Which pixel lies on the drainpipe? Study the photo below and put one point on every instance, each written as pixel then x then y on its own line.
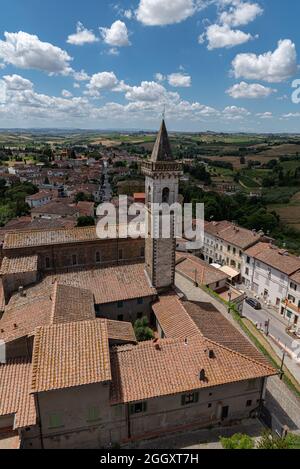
pixel 128 421
pixel 39 419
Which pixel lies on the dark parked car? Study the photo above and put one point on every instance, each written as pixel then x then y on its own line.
pixel 253 303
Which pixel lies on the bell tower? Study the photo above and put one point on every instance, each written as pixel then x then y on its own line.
pixel 161 186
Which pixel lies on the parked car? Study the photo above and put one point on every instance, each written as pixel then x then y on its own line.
pixel 253 303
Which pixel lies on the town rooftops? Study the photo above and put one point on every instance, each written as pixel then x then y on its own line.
pixel 214 326
pixel 15 398
pixel 120 331
pixel 183 319
pixel 173 318
pixel 56 208
pixel 198 270
pixel 296 277
pixel 108 285
pixel 232 234
pixel 19 265
pixel 173 366
pixel 72 354
pixel 274 257
pixel 70 304
pixel 39 195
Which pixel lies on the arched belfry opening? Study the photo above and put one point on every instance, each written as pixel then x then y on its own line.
pixel 166 195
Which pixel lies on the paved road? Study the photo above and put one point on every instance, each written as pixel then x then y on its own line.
pixel 277 326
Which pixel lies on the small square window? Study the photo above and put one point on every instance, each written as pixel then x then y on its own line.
pixel 140 301
pixel 120 304
pixel 138 408
pixel 209 406
pixel 249 403
pixel 190 398
pixel 120 317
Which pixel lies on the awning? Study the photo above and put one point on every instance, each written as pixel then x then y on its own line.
pixel 232 273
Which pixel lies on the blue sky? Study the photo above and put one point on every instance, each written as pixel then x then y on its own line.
pixel 222 65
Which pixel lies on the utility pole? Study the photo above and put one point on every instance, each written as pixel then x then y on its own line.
pixel 282 363
pixel 267 327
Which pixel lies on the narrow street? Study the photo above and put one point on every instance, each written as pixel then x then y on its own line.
pixel 277 325
pixel 106 187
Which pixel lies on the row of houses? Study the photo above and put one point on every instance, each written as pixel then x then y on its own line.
pixel 251 258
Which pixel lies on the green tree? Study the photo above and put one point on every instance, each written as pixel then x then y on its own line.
pixel 237 441
pixel 271 441
pixel 142 330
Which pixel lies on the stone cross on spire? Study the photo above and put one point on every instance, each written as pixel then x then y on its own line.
pixel 162 148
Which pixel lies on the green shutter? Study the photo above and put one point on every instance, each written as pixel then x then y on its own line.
pixel 55 421
pixel 93 414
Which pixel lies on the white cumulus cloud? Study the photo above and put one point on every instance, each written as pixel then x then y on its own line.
pixel 116 35
pixel 272 67
pixel 241 13
pixel 219 36
pixel 162 12
pixel 27 51
pixel 82 36
pixel 16 82
pixel 249 91
pixel 179 80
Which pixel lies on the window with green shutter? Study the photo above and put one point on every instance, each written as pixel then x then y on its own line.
pixel 55 421
pixel 93 414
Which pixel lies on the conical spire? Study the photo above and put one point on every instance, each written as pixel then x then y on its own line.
pixel 162 148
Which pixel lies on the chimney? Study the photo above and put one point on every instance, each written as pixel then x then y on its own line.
pixel 202 376
pixel 15 326
pixel 211 354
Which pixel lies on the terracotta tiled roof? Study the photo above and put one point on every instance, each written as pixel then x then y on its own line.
pixel 71 304
pixel 120 331
pixel 173 318
pixel 214 326
pixel 240 237
pixel 15 396
pixel 277 258
pixel 49 237
pixel 296 277
pixel 21 320
pixel 197 269
pixel 19 265
pixel 108 285
pixel 172 366
pixel 56 208
pixel 72 354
